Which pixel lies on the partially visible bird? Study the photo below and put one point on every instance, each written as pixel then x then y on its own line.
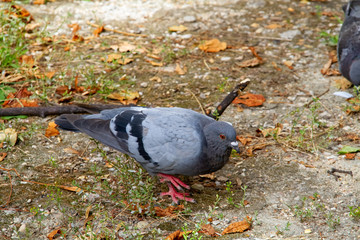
pixel 165 141
pixel 349 43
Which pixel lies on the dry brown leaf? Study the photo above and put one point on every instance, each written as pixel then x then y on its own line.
pixel 50 74
pixel 208 230
pixel 211 176
pixel 125 97
pixel 342 83
pixel 2 156
pixel 75 28
pixel 273 26
pixel 156 79
pixel 238 227
pixel 78 38
pixel 51 130
pixel 250 100
pixel 154 56
pixel 67 48
pixel 177 235
pixel 271 131
pixel 250 63
pixel 98 30
pixel 124 61
pixel 31 26
pixel 126 47
pixel 9 135
pixel 53 233
pixel 289 64
pixel 244 140
pixel 156 64
pixel 348 156
pixel 27 60
pixel 20 12
pixel 72 189
pixel 169 211
pixel 113 56
pixel 180 28
pixel 179 70
pixel 11 78
pixel 16 100
pixel 71 151
pixel 259 146
pixel 213 45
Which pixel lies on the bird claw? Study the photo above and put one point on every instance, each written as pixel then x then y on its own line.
pixel 174 181
pixel 176 195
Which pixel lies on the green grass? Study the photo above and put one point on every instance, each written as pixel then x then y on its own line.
pixel 13 43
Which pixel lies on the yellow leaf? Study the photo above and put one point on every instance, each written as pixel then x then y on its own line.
pixel 125 97
pixel 180 28
pixel 213 45
pixel 156 64
pixel 113 56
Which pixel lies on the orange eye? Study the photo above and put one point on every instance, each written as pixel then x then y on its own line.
pixel 222 136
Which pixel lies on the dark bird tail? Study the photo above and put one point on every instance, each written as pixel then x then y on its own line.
pixel 65 122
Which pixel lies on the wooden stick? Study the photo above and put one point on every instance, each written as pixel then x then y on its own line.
pixel 228 99
pixel 117 31
pixel 56 110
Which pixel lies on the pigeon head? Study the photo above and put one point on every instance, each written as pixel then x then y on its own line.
pixel 221 136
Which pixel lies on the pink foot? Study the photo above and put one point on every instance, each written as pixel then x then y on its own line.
pixel 174 180
pixel 174 194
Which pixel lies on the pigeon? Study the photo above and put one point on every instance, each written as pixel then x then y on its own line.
pixel 349 43
pixel 164 141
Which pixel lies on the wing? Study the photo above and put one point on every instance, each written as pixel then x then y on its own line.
pixel 173 139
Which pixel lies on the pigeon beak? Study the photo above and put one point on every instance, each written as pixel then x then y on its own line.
pixel 235 146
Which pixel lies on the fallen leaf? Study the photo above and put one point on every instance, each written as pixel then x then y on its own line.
pixel 259 146
pixel 8 135
pixel 98 30
pixel 179 70
pixel 67 48
pixel 20 12
pixel 156 79
pixel 32 26
pixel 177 235
pixel 289 64
pixel 72 189
pixel 77 38
pixel 349 149
pixel 211 176
pixel 169 211
pixel 27 60
pixel 53 233
pixel 238 227
pixel 11 78
pixel 272 131
pixel 348 156
pixel 342 83
pixel 50 74
pixel 244 140
pixel 208 230
pixel 273 26
pixel 75 28
pixel 213 45
pixel 51 130
pixel 154 56
pixel 88 215
pixel 2 156
pixel 180 28
pixel 276 66
pixel 250 63
pixel 156 64
pixel 39 2
pixel 250 100
pixel 71 151
pixel 124 61
pixel 125 97
pixel 62 90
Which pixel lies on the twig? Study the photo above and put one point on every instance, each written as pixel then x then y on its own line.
pixel 334 170
pixel 201 106
pixel 56 110
pixel 117 31
pixel 228 99
pixel 207 65
pixel 271 38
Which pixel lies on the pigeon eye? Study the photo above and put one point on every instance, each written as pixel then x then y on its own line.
pixel 222 136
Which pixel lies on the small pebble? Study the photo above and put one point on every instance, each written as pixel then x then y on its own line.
pixel 142 225
pixel 189 19
pixel 197 186
pixel 225 59
pixel 22 228
pixel 186 36
pixel 144 84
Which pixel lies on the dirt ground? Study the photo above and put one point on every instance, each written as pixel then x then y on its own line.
pixel 281 181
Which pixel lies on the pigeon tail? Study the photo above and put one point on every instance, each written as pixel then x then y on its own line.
pixel 176 195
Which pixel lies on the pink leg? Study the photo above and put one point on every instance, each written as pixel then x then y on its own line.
pixel 174 195
pixel 174 180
